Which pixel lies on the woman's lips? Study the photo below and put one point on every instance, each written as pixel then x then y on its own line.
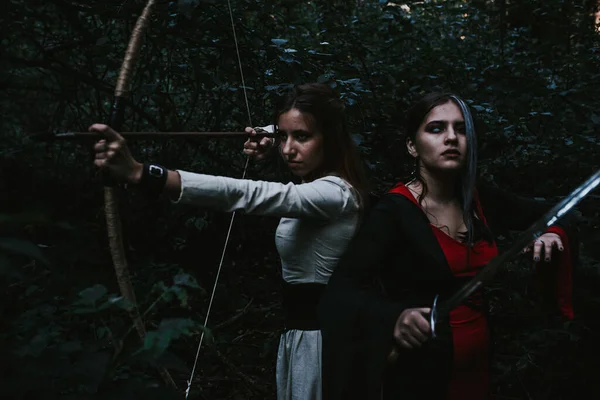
pixel 451 153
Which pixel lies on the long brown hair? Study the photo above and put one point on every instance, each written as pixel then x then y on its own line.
pixel 327 112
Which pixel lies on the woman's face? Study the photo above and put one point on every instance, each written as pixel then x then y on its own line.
pixel 300 145
pixel 440 142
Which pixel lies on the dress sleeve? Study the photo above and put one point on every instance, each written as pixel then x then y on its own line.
pixel 325 198
pixel 555 278
pixel 506 211
pixel 357 321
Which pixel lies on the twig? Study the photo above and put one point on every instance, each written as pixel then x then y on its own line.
pixel 244 311
pixel 251 383
pixel 523 385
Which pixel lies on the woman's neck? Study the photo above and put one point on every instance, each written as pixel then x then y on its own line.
pixel 441 188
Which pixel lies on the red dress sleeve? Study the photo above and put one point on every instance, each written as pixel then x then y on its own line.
pixel 556 277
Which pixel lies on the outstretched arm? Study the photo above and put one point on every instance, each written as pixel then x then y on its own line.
pixel 325 198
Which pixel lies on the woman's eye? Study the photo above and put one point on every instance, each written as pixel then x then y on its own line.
pixel 435 129
pixel 302 138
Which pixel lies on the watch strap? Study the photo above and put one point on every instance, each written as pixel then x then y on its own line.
pixel 154 178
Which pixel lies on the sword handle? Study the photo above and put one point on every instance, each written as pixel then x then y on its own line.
pixel 433 316
pixel 393 356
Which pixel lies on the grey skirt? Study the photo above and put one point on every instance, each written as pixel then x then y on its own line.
pixel 298 371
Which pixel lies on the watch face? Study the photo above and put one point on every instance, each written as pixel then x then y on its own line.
pixel 155 171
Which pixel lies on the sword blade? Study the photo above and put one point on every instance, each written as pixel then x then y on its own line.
pixel 523 240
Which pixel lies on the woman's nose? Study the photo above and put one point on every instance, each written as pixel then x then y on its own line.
pixel 287 147
pixel 451 134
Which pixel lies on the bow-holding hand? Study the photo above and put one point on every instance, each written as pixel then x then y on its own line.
pixel 545 244
pixel 112 154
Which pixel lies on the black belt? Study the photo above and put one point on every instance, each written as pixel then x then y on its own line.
pixel 300 301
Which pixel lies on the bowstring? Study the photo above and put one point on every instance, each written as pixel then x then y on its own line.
pixel 212 295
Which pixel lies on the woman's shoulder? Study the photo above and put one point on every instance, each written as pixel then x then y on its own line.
pixel 335 186
pixel 398 197
pixel 338 185
pixel 400 193
pixel 334 182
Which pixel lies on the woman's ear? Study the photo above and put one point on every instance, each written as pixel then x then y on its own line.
pixel 412 150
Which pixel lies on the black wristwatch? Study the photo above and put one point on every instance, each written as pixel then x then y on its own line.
pixel 154 178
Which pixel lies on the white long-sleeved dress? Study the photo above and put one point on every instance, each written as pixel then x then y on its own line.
pixel 318 220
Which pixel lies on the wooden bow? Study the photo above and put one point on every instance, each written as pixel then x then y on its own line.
pixel 111 210
pixel 111 207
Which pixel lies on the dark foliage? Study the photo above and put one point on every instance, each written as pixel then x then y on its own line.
pixel 530 69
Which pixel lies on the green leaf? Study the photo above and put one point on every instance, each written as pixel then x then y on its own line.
pixel 22 247
pixel 84 310
pixel 35 347
pixel 71 347
pixel 115 301
pixel 31 289
pixel 9 268
pixel 279 42
pixel 183 279
pixel 181 294
pixel 200 223
pixel 324 78
pixel 166 292
pixel 156 342
pixel 91 295
pixel 287 58
pixel 186 7
pixel 172 362
pixel 177 326
pixel 92 367
pixel 101 331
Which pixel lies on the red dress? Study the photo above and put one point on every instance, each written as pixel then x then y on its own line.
pixel 470 372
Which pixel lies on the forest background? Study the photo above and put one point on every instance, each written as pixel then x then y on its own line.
pixel 530 69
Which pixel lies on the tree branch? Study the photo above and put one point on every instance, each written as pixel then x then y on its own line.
pixel 91 81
